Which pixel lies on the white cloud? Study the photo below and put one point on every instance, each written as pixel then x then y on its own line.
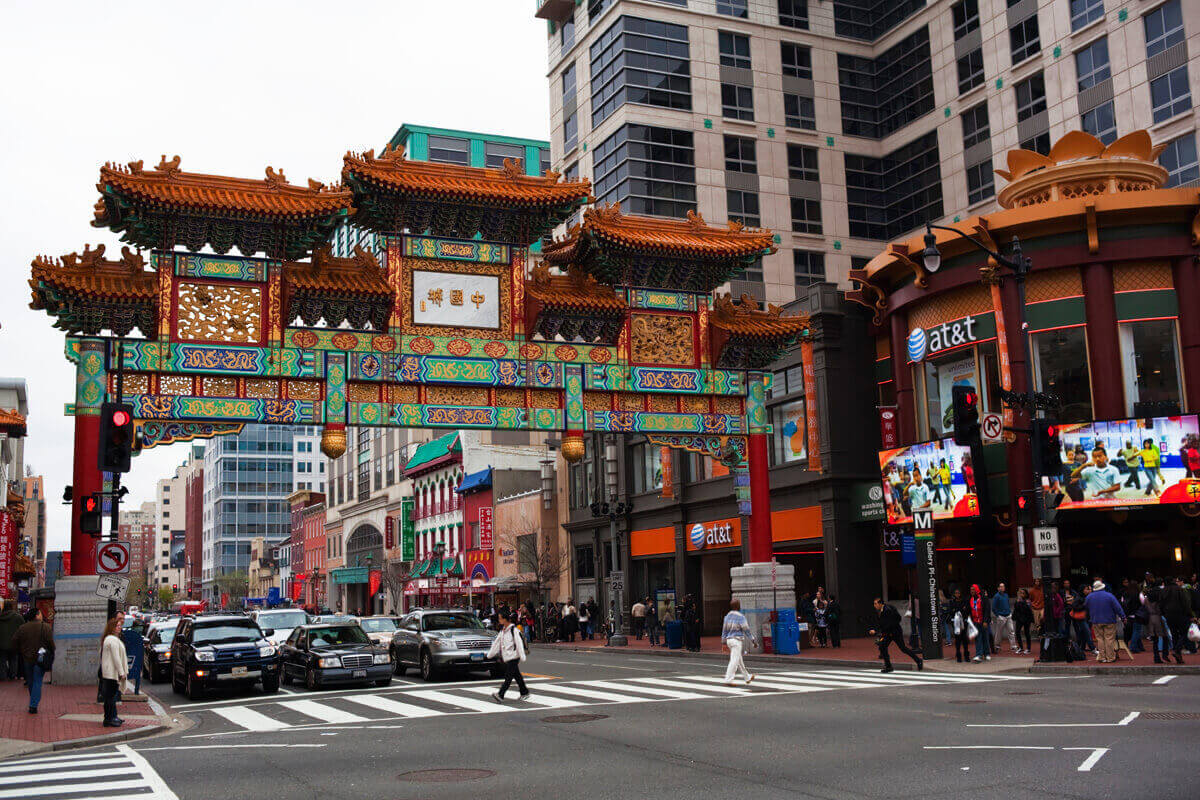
pixel 232 87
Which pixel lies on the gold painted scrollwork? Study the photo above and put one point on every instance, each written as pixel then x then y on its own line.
pixel 219 313
pixel 662 339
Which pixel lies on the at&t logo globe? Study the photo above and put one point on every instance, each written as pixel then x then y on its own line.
pixel 698 536
pixel 916 344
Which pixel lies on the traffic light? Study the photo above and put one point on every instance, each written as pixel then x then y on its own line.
pixel 116 437
pixel 91 519
pixel 174 587
pixel 966 414
pixel 1048 443
pixel 1027 507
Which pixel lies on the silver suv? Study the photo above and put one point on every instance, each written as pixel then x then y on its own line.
pixel 441 640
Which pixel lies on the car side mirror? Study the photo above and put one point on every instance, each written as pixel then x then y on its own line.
pixel 268 632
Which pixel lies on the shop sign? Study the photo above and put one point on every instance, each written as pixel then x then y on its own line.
pixel 868 502
pixel 485 528
pixel 889 431
pixel 408 531
pixel 717 534
pixel 8 546
pixel 349 575
pixel 479 566
pixel 927 342
pixel 810 404
pixel 389 538
pixel 668 475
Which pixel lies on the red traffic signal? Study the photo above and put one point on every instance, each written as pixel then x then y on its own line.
pixel 120 417
pixel 90 503
pixel 965 410
pixel 1022 501
pixel 970 398
pixel 90 519
pixel 116 437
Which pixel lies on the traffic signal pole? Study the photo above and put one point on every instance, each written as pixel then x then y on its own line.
pixel 86 480
pixel 114 531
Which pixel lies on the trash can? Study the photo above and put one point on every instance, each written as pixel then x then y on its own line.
pixel 674 635
pixel 802 635
pixel 786 615
pixel 786 637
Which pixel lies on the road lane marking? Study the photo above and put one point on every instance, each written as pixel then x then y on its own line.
pixel 650 690
pixel 392 706
pixel 222 746
pixel 325 713
pixel 1128 718
pixel 250 719
pixel 41 764
pixel 77 788
pixel 1165 679
pixel 985 747
pixel 718 688
pixel 482 706
pixel 1090 761
pixel 548 701
pixel 607 697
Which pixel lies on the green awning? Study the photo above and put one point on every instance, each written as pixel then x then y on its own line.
pixel 452 568
pixel 432 451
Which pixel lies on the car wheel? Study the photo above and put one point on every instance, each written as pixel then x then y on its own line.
pixel 176 686
pixel 194 692
pixel 398 667
pixel 310 679
pixel 383 682
pixel 284 677
pixel 428 673
pixel 271 685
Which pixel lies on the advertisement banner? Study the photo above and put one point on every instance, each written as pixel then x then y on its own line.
pixel 889 430
pixel 1002 355
pixel 485 528
pixel 793 422
pixel 668 476
pixel 960 372
pixel 1131 462
pixel 389 538
pixel 178 540
pixel 810 398
pixel 480 567
pixel 927 477
pixel 8 552
pixel 408 531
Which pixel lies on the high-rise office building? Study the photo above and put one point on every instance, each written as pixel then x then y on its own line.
pixel 843 124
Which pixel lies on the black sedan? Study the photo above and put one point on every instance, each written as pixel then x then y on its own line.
pixel 324 654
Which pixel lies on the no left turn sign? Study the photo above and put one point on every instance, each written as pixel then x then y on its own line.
pixel 112 558
pixel 992 426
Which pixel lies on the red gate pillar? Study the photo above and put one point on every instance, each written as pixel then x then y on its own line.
pixel 761 546
pixel 90 389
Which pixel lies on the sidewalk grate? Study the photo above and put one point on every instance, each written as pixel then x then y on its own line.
pixel 1170 715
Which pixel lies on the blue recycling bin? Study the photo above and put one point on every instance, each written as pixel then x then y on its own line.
pixel 785 638
pixel 674 635
pixel 786 616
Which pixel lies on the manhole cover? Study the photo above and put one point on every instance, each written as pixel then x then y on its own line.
pixel 445 775
pixel 966 702
pixel 1169 715
pixel 1022 694
pixel 567 718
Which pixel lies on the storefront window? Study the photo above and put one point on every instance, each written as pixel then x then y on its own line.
pixel 789 426
pixel 1060 361
pixel 1150 362
pixel 585 562
pixel 646 466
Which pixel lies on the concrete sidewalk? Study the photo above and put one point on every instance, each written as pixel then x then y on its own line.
pixel 68 716
pixel 860 652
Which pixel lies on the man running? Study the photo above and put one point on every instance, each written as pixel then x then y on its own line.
pixel 889 631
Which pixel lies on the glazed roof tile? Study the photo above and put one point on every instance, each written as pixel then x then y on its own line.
pixel 358 274
pixel 508 186
pixel 691 236
pixel 744 320
pixel 92 275
pixel 167 185
pixel 11 418
pixel 574 290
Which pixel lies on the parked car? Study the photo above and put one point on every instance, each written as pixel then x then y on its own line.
pixel 282 620
pixel 380 629
pixel 156 649
pixel 436 641
pixel 322 654
pixel 222 650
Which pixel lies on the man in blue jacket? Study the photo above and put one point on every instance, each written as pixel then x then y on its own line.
pixel 1002 614
pixel 1103 611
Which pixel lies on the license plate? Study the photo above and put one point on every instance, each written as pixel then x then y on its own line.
pixel 360 673
pixel 238 671
pixel 478 656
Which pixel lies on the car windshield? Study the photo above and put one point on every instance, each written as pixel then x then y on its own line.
pixel 445 622
pixel 336 635
pixel 166 632
pixel 231 631
pixel 378 625
pixel 282 620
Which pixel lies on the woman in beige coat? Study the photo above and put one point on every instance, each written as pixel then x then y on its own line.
pixel 114 669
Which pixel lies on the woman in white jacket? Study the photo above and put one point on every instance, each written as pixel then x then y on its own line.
pixel 114 669
pixel 510 647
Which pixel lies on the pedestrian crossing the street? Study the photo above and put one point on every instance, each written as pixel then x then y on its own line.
pixel 112 774
pixel 384 707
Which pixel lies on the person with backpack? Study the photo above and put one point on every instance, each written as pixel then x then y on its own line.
pixel 585 622
pixel 981 615
pixel 960 613
pixel 34 641
pixel 510 648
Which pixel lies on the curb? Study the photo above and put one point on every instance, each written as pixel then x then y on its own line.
pixel 105 738
pixel 1149 669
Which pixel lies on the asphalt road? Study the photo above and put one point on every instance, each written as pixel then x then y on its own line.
pixel 667 728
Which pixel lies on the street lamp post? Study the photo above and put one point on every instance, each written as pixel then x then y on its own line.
pixel 1031 399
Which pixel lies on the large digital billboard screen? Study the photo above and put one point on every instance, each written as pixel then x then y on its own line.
pixel 1130 462
pixel 937 476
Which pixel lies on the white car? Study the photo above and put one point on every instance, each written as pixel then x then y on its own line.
pixel 380 629
pixel 281 622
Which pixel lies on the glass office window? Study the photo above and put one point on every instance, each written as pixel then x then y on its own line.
pixel 1060 363
pixel 1150 362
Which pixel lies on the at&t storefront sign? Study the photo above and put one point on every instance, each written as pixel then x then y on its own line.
pixel 714 535
pixel 923 342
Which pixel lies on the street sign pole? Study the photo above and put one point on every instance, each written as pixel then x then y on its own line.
pixel 931 634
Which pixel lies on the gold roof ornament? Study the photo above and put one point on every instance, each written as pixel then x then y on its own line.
pixel 1080 165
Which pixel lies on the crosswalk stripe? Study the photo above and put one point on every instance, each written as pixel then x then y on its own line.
pixel 832 682
pixel 250 719
pixel 129 769
pixel 579 691
pixel 766 683
pixel 484 706
pixel 33 766
pixel 916 677
pixel 74 788
pixel 322 712
pixel 890 679
pixel 684 684
pixel 650 690
pixel 548 701
pixel 394 707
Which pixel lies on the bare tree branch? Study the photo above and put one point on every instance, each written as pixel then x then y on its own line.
pixel 540 564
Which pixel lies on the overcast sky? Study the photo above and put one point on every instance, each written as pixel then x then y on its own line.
pixel 231 87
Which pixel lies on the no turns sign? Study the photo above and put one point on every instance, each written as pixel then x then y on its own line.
pixel 112 558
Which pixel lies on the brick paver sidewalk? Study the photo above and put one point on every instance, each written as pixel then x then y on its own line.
pixel 65 713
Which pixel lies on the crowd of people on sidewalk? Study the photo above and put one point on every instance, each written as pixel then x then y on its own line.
pixel 824 617
pixel 1096 618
